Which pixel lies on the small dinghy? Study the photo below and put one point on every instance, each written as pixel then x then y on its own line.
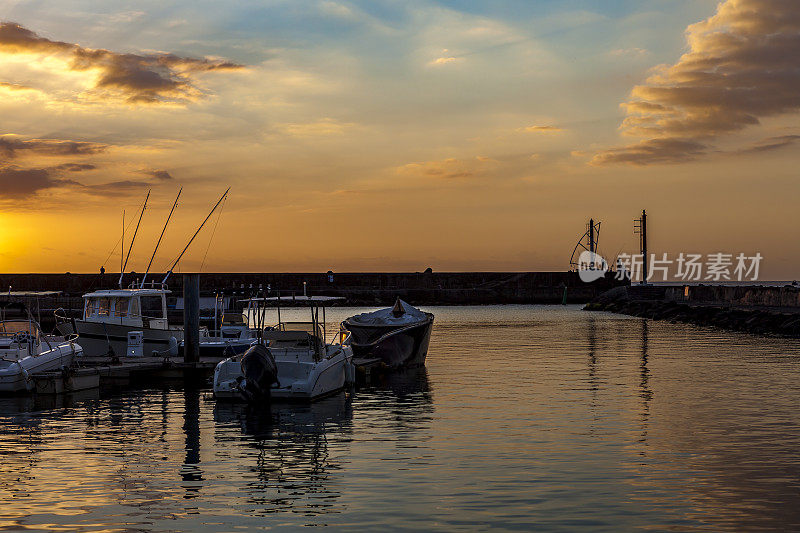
pixel 24 354
pixel 398 335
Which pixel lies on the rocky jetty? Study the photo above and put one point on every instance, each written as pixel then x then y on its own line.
pixel 750 319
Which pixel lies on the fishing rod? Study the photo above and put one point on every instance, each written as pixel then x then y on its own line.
pixel 160 237
pixel 122 270
pixel 174 264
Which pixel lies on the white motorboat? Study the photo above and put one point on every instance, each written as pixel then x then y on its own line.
pixel 24 354
pixel 291 361
pixel 109 315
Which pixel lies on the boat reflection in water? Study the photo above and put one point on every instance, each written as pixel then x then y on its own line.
pixel 296 452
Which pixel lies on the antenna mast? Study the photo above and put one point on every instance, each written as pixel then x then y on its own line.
pixel 169 272
pixel 122 270
pixel 122 245
pixel 160 237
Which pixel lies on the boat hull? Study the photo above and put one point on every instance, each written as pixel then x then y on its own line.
pixel 298 380
pixel 17 376
pixel 97 337
pixel 404 346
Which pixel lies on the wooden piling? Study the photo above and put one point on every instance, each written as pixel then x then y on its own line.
pixel 191 318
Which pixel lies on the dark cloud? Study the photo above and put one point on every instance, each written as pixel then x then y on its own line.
pixel 151 78
pixel 24 183
pixel 770 144
pixel 161 175
pixel 76 167
pixel 115 188
pixel 743 65
pixel 18 183
pixel 10 146
pixel 652 151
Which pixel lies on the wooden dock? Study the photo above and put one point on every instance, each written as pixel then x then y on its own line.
pixel 104 372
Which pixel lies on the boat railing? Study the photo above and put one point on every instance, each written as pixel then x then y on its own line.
pixel 342 336
pixel 61 314
pixel 148 285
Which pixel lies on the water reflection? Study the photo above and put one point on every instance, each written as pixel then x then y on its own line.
pixel 644 380
pixel 402 400
pixel 554 419
pixel 191 473
pixel 294 467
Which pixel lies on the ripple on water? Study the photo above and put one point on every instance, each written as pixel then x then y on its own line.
pixel 526 417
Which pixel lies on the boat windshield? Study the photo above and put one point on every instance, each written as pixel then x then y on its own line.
pixel 152 307
pixel 232 319
pixel 307 327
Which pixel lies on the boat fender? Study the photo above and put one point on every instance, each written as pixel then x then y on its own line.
pixel 29 385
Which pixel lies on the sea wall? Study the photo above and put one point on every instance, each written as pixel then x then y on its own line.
pixel 753 309
pixel 377 288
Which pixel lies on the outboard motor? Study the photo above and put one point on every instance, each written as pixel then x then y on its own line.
pixel 259 371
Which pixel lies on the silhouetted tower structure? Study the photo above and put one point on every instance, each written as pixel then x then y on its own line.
pixel 640 227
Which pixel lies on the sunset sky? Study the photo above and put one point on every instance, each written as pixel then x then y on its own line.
pixel 397 135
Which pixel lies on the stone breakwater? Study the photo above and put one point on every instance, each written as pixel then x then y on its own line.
pixel 675 304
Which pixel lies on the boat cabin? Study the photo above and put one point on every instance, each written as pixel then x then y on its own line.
pixel 130 307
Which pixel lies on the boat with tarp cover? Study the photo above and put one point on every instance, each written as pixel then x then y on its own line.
pixel 398 335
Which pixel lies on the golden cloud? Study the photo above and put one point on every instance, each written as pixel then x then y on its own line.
pixel 742 65
pixel 11 146
pixel 135 78
pixel 652 151
pixel 324 127
pixel 449 168
pixel 444 60
pixel 542 129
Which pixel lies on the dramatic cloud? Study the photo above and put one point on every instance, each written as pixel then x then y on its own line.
pixel 16 183
pixel 23 183
pixel 11 146
pixel 152 78
pixel 743 64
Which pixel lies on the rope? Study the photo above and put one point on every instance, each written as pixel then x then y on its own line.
pixel 219 216
pixel 119 241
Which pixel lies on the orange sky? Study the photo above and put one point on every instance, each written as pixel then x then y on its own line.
pixel 370 136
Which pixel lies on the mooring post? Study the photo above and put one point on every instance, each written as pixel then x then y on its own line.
pixel 191 318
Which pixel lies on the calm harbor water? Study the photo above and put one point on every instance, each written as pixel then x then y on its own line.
pixel 527 416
